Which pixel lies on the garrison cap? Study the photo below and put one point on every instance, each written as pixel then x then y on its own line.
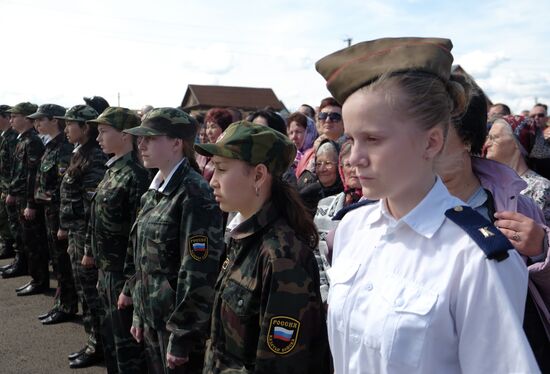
pixel 254 144
pixel 117 117
pixel 23 108
pixel 171 122
pixel 48 110
pixel 4 109
pixel 79 113
pixel 357 66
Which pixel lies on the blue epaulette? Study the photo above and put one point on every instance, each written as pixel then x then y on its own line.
pixel 491 241
pixel 342 212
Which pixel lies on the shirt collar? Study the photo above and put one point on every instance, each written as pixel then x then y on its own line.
pixel 159 183
pixel 76 148
pixel 426 217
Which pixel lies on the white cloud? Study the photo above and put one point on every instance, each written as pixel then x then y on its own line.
pixel 481 64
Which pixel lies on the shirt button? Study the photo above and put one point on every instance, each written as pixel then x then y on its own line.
pixel 240 302
pixel 399 302
pixel 369 286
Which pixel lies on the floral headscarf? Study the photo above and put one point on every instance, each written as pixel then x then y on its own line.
pixel 524 129
pixel 352 194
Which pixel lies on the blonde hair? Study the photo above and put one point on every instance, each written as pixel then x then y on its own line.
pixel 424 97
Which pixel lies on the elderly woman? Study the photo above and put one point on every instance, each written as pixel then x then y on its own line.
pixel 494 190
pixel 327 209
pixel 216 121
pixel 509 142
pixel 325 181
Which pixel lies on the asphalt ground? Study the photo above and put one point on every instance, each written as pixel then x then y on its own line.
pixel 27 346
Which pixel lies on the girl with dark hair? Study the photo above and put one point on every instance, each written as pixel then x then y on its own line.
pixel 419 282
pixel 84 173
pixel 267 315
pixel 175 244
pixel 268 118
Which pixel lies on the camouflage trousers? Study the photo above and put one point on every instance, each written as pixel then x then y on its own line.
pixel 156 343
pixel 33 238
pixel 85 280
pixel 5 230
pixel 66 299
pixel 13 222
pixel 122 353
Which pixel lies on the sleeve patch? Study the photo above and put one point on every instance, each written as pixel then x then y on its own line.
pixel 283 334
pixel 198 247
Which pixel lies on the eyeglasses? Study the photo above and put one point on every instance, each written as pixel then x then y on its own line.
pixel 328 164
pixel 538 115
pixel 333 116
pixel 347 165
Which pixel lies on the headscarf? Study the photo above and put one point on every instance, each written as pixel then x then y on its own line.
pixel 352 194
pixel 524 129
pixel 309 138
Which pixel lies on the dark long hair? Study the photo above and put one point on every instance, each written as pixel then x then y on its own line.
pixel 80 159
pixel 286 198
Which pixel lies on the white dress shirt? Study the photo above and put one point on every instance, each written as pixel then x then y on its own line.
pixel 418 295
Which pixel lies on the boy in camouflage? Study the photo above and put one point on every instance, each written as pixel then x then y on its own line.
pixel 268 316
pixel 177 242
pixel 8 140
pixel 112 214
pixel 28 153
pixel 55 161
pixel 84 173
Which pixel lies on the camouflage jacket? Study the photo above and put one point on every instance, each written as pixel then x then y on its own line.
pixel 78 188
pixel 176 243
pixel 113 211
pixel 267 315
pixel 55 161
pixel 8 141
pixel 26 160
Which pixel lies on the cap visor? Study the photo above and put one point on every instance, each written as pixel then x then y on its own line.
pixel 143 131
pixel 100 122
pixel 36 115
pixel 211 149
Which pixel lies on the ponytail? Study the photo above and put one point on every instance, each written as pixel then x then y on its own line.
pixel 284 196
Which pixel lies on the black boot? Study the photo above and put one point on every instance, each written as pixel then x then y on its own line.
pixel 7 250
pixel 18 268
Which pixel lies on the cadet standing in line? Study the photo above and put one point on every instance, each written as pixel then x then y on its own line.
pixel 54 163
pixel 177 243
pixel 8 140
pixel 112 214
pixel 268 316
pixel 28 153
pixel 419 283
pixel 79 183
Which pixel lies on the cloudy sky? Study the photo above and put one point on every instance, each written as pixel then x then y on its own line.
pixel 149 51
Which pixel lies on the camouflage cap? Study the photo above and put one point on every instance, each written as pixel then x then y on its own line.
pixel 79 113
pixel 354 67
pixel 4 109
pixel 23 108
pixel 254 144
pixel 171 122
pixel 117 117
pixel 48 110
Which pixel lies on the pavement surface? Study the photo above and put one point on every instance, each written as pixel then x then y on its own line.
pixel 26 346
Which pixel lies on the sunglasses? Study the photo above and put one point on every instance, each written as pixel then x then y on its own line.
pixel 334 117
pixel 538 115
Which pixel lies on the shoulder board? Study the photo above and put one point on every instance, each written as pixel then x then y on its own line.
pixel 342 212
pixel 491 241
